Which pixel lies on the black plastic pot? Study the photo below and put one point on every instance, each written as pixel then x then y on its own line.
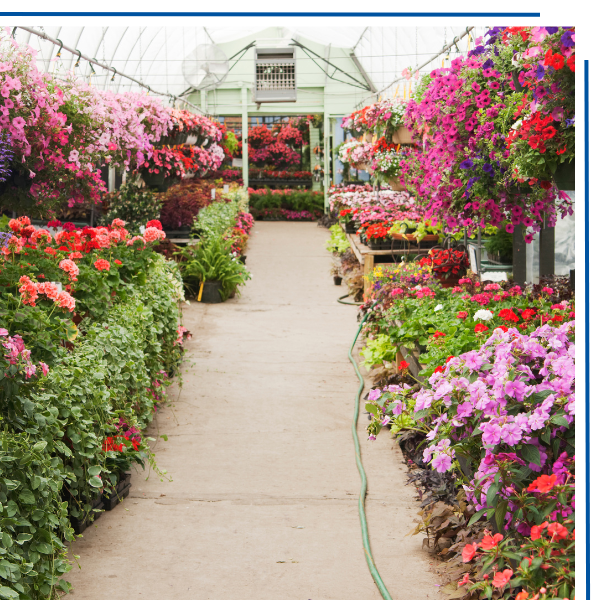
pixel 349 227
pixel 154 179
pixel 337 280
pixel 210 291
pixel 386 244
pixel 120 491
pixel 375 244
pixel 564 176
pixel 363 238
pixel 243 259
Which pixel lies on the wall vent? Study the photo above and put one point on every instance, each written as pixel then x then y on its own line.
pixel 275 75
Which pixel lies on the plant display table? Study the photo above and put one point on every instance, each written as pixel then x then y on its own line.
pixel 368 257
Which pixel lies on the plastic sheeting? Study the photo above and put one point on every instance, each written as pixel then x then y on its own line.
pixel 155 54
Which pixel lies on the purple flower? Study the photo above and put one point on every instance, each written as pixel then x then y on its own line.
pixel 466 164
pixel 511 434
pixel 567 39
pixel 492 433
pixel 441 463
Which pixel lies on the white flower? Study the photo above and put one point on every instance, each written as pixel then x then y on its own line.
pixel 483 315
pixel 438 307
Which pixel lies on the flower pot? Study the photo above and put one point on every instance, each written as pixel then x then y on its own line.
pixel 362 166
pixel 564 176
pixel 180 138
pixel 363 239
pixel 402 136
pixel 120 491
pixel 375 244
pixel 349 227
pixel 153 179
pixel 211 291
pixel 191 139
pixel 386 244
pixel 243 259
pixel 397 186
pixel 337 280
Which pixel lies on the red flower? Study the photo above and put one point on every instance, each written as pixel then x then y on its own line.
pixel 438 369
pixel 449 358
pixel 571 62
pixel 118 262
pixel 546 185
pixel 543 484
pixel 502 578
pixel 469 552
pixel 528 314
pixel 562 151
pixel 536 530
pixel 154 223
pixel 508 315
pixel 480 328
pixel 490 542
pixel 50 251
pixel 439 334
pixel 558 531
pixel 465 579
pixel 403 366
pixel 463 314
pixel 102 265
pixel 503 328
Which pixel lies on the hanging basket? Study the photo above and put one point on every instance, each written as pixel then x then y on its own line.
pixel 191 139
pixel 153 179
pixel 564 176
pixel 402 136
pixel 362 166
pixel 397 186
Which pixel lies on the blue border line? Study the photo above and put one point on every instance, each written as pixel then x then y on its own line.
pixel 268 14
pixel 586 93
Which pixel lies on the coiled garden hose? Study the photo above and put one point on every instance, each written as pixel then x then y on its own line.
pixel 341 301
pixel 363 490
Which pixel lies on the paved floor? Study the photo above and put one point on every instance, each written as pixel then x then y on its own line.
pixel 263 499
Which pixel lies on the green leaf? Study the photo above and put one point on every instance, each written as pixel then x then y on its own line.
pixel 477 516
pixel 420 414
pixel 27 497
pixel 94 470
pixel 6 592
pixel 492 494
pixel 165 437
pixel 95 482
pixel 531 454
pixel 44 548
pixel 372 408
pixel 501 509
pixel 24 537
pixel 40 446
pixel 559 420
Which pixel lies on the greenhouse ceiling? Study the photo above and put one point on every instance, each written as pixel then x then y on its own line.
pixel 157 56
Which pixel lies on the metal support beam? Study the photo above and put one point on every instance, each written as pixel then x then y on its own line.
pixel 362 71
pixel 546 251
pixel 245 174
pixel 327 155
pixel 519 256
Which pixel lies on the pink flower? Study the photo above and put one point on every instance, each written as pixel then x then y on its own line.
pixel 65 300
pixel 69 267
pixel 152 234
pixel 102 265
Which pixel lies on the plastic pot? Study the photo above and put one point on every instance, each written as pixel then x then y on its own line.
pixel 211 291
pixel 153 179
pixel 349 227
pixel 564 176
pixel 337 280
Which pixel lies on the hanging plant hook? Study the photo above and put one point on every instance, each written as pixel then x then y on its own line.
pixel 114 73
pixel 60 49
pixel 12 35
pixel 78 59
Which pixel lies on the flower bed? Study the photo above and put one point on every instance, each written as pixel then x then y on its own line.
pixel 492 414
pixel 287 205
pixel 83 371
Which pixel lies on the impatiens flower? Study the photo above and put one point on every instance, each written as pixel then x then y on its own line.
pixel 543 484
pixel 442 462
pixel 490 542
pixel 536 530
pixel 558 531
pixel 502 578
pixel 469 552
pixel 465 579
pixel 102 265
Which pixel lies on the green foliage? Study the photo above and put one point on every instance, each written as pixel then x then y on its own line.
pixel 212 260
pixel 294 200
pixel 213 221
pixel 377 350
pixel 136 206
pixel 338 242
pixel 501 244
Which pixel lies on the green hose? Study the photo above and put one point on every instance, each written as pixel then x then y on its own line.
pixel 363 490
pixel 341 301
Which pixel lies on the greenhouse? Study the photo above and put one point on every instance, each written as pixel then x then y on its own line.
pixel 287 312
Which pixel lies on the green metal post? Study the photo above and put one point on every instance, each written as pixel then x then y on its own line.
pixel 327 152
pixel 244 91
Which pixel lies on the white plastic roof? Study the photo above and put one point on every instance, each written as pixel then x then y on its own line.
pixel 154 54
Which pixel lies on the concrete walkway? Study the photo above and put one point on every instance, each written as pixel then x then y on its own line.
pixel 263 499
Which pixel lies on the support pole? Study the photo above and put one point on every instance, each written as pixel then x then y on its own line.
pixel 546 251
pixel 327 153
pixel 244 92
pixel 519 256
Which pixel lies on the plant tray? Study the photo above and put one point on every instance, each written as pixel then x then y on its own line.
pixel 410 237
pixel 110 503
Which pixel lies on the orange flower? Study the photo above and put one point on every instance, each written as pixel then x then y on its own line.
pixel 502 578
pixel 558 531
pixel 469 552
pixel 490 542
pixel 543 484
pixel 522 595
pixel 536 530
